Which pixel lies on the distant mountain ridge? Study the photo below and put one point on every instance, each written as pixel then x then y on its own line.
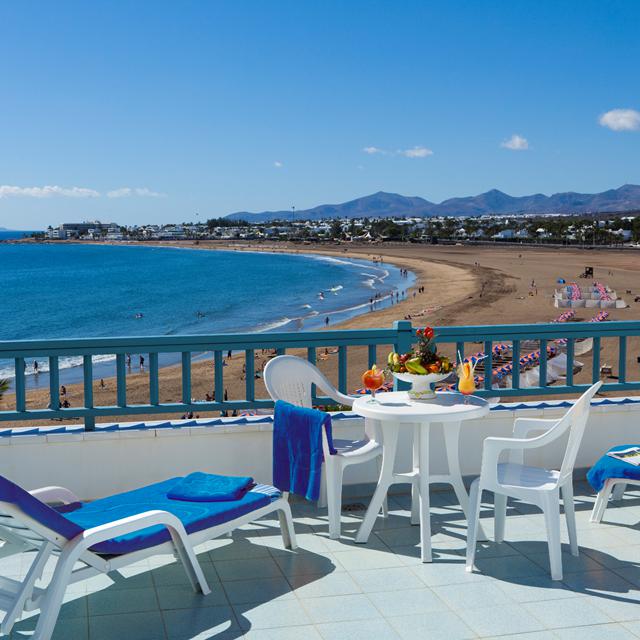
pixel 388 205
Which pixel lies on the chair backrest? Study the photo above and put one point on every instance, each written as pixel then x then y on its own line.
pixel 291 378
pixel 30 519
pixel 576 420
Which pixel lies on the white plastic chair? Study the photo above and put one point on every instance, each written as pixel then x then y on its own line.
pixel 534 485
pixel 291 378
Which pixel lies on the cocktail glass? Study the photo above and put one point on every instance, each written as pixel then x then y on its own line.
pixel 372 382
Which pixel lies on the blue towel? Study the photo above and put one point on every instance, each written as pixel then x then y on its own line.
pixel 297 448
pixel 608 467
pixel 209 487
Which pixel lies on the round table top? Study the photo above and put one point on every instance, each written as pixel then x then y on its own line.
pixel 396 405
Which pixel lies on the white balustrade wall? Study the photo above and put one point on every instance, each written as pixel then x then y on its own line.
pixel 95 464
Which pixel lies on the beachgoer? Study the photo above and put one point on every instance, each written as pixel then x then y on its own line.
pixel 229 354
pixel 326 321
pixel 66 404
pixel 129 360
pixel 142 362
pixel 63 390
pixel 102 383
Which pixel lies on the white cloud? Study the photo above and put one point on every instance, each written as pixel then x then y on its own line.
pixel 516 143
pixel 416 152
pixel 621 120
pixel 277 164
pixel 126 192
pixel 48 191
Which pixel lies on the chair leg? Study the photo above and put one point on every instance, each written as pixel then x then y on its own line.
pixel 475 498
pixel 52 602
pixel 189 560
pixel 286 526
pixel 551 509
pixel 26 589
pixel 385 504
pixel 570 515
pixel 601 501
pixel 618 491
pixel 499 515
pixel 322 498
pixel 334 498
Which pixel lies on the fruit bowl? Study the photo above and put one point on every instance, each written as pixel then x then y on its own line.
pixel 422 385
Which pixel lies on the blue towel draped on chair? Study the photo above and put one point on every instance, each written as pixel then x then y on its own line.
pixel 297 448
pixel 608 467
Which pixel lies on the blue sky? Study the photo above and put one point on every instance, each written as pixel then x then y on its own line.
pixel 153 111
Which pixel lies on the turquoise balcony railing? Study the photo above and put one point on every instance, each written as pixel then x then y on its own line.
pixel 547 339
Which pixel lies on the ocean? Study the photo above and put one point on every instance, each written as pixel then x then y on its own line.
pixel 12 234
pixel 67 291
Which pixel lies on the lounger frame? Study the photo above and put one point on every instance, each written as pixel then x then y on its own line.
pixel 614 488
pixel 23 533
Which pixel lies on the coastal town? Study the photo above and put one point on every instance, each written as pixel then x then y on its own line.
pixel 566 229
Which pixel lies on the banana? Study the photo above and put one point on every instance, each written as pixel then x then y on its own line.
pixel 396 359
pixel 390 357
pixel 414 366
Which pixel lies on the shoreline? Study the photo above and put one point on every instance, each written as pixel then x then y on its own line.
pixel 463 286
pixel 428 275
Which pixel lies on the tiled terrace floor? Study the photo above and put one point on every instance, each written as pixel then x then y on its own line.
pixel 335 589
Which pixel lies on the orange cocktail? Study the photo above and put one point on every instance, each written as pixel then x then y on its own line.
pixel 372 380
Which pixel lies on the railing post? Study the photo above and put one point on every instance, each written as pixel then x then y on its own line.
pixel 87 378
pixel 186 377
pixel 403 343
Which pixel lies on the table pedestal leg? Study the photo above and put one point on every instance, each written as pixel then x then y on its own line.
pixel 451 432
pixel 390 445
pixel 423 487
pixel 415 491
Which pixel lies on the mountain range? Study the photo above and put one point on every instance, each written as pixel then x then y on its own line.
pixel 387 205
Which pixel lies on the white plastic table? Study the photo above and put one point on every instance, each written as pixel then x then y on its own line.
pixel 396 411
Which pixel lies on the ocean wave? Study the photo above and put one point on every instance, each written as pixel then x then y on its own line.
pixel 335 289
pixel 274 325
pixel 69 362
pixel 333 260
pixel 306 306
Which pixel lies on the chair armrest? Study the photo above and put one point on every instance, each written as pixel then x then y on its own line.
pixel 340 397
pixel 54 495
pixel 493 447
pixel 100 533
pixel 522 426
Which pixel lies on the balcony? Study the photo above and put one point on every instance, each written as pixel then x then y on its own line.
pixel 334 589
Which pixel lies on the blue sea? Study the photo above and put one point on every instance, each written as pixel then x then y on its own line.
pixel 66 291
pixel 12 234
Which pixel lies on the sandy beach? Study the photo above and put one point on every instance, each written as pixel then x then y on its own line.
pixel 463 285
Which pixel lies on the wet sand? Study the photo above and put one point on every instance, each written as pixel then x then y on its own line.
pixel 464 285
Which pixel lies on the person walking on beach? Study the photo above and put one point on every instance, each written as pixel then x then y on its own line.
pixel 141 362
pixel 35 366
pixel 63 390
pixel 326 321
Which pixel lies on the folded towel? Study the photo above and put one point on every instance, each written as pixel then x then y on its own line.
pixel 608 467
pixel 209 487
pixel 297 448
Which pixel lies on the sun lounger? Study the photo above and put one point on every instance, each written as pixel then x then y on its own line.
pixel 107 534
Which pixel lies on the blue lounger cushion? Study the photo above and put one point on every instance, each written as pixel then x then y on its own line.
pixel 608 467
pixel 210 487
pixel 195 516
